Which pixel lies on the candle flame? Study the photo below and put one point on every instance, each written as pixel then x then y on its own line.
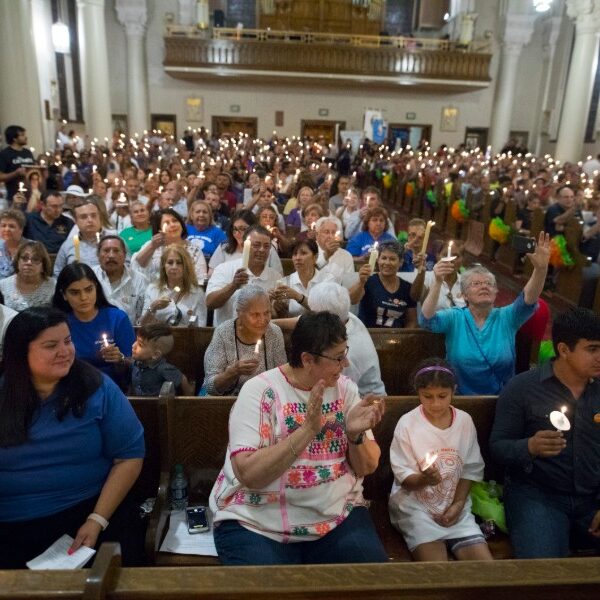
pixel 563 410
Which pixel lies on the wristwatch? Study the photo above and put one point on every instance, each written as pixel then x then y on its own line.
pixel 359 440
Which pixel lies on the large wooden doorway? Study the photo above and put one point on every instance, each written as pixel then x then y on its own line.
pixel 324 131
pixel 235 125
pixel 403 134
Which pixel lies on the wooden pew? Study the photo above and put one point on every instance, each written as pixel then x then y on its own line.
pixel 570 279
pixel 515 579
pixel 399 351
pixel 507 256
pixel 197 438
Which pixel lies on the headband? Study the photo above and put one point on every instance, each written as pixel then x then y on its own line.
pixel 434 368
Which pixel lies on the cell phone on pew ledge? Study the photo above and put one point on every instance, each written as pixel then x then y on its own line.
pixel 523 244
pixel 197 519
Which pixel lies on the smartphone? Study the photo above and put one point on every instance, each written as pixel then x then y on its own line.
pixel 523 244
pixel 197 519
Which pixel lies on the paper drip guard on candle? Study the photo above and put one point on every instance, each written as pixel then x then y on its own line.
pixel 449 257
pixel 559 420
pixel 429 460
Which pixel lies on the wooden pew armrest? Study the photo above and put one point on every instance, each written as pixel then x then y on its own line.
pixel 158 520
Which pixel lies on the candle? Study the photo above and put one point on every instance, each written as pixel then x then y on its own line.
pixel 246 254
pixel 257 347
pixel 22 188
pixel 559 420
pixel 338 235
pixel 449 249
pixel 76 246
pixel 97 237
pixel 105 339
pixel 373 256
pixel 164 228
pixel 430 224
pixel 429 460
pixel 177 289
pixel 313 226
pixel 90 191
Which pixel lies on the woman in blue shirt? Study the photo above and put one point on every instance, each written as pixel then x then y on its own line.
pixel 201 227
pixel 102 334
pixel 480 339
pixel 374 230
pixel 71 446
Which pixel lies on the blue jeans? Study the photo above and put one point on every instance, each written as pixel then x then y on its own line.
pixel 353 541
pixel 543 524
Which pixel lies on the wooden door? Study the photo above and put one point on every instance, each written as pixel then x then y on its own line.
pixel 317 129
pixel 235 125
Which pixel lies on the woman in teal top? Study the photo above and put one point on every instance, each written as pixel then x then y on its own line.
pixel 480 339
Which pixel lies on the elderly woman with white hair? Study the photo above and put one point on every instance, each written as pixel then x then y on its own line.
pixel 480 339
pixel 364 363
pixel 243 347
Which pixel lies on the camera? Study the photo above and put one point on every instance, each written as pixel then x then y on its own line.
pixel 523 244
pixel 197 519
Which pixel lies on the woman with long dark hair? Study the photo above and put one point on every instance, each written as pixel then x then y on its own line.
pixel 71 446
pixel 102 333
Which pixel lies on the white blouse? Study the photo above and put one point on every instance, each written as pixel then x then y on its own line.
pixel 178 313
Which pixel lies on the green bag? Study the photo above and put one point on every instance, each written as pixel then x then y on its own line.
pixel 486 507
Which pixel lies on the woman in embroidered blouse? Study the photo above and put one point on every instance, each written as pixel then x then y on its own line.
pixel 230 359
pixel 300 443
pixel 176 296
pixel 12 223
pixel 480 339
pixel 32 284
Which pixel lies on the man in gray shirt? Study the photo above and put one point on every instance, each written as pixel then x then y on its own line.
pixel 552 485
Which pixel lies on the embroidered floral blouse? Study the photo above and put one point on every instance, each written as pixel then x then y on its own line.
pixel 318 491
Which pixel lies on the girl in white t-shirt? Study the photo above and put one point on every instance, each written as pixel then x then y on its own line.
pixel 435 458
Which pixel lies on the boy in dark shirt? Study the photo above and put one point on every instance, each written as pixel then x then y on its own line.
pixel 150 368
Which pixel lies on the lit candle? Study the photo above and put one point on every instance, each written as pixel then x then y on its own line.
pixel 373 256
pixel 105 339
pixel 76 246
pixel 313 226
pixel 97 237
pixel 559 420
pixel 257 347
pixel 338 235
pixel 430 224
pixel 90 191
pixel 429 460
pixel 22 188
pixel 164 228
pixel 177 289
pixel 246 254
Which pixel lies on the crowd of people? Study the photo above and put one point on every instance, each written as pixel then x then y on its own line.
pixel 160 233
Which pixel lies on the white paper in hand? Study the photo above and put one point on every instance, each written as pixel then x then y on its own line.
pixel 56 557
pixel 179 541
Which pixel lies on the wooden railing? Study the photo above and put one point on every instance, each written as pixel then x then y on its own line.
pixel 314 53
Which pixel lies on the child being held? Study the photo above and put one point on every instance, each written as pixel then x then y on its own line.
pixel 435 457
pixel 150 367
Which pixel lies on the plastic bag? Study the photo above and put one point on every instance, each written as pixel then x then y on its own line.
pixel 486 507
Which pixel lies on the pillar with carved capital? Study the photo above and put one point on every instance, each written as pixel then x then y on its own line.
pixel 517 33
pixel 94 72
pixel 132 15
pixel 578 94
pixel 20 102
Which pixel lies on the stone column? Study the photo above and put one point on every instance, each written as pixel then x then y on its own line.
pixel 132 15
pixel 94 68
pixel 20 102
pixel 517 33
pixel 582 70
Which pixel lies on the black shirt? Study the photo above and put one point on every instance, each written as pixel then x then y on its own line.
pixel 52 236
pixel 11 160
pixel 524 408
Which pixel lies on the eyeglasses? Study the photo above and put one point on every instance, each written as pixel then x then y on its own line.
pixel 34 260
pixel 478 284
pixel 240 229
pixel 339 359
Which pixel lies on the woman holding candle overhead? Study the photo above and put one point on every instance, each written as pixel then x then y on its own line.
pixel 176 298
pixel 480 339
pixel 385 298
pixel 243 347
pixel 300 443
pixel 435 458
pixel 374 230
pixel 168 228
pixel 102 334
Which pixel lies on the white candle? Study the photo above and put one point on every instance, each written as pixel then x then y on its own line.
pixel 428 227
pixel 22 188
pixel 449 249
pixel 559 420
pixel 246 254
pixel 373 256
pixel 177 289
pixel 76 246
pixel 338 235
pixel 105 339
pixel 429 460
pixel 164 228
pixel 97 237
pixel 257 347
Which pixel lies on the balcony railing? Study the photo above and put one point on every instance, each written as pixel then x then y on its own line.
pixel 324 56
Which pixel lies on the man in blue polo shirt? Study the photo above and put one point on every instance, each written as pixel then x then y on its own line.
pixel 49 226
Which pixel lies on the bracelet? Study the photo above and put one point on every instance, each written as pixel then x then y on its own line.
pixel 292 447
pixel 99 519
pixel 301 301
pixel 359 439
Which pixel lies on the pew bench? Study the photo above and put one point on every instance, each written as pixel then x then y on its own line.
pixel 195 434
